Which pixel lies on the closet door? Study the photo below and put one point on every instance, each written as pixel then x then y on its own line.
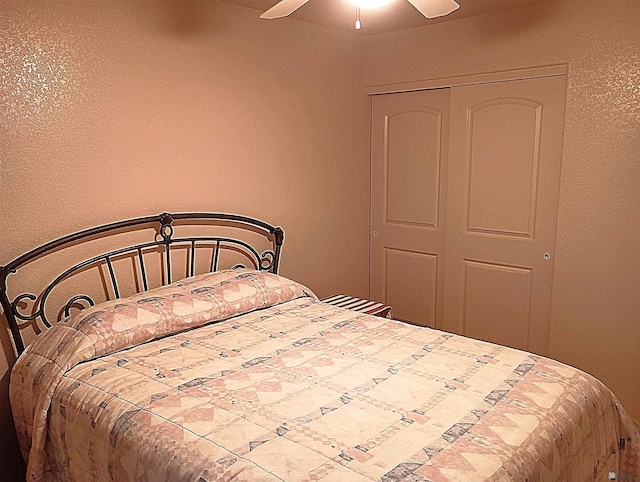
pixel 408 178
pixel 504 173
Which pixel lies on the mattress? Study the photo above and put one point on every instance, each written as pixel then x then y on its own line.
pixel 245 375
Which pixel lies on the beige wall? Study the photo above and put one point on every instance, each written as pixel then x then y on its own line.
pixel 118 110
pixel 113 110
pixel 596 292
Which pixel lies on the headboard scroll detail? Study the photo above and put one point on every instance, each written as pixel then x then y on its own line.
pixel 164 242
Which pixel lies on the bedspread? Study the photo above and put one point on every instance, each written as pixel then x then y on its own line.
pixel 247 376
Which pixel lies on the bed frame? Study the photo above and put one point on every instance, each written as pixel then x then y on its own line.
pixel 164 243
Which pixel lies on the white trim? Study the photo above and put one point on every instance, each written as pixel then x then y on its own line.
pixel 471 79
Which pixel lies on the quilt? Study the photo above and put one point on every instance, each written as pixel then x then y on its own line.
pixel 246 376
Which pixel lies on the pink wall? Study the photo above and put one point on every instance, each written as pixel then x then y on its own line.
pixel 114 110
pixel 595 322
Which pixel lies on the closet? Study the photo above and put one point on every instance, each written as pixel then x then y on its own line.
pixel 465 184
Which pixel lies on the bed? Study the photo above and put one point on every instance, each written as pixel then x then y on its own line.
pixel 238 373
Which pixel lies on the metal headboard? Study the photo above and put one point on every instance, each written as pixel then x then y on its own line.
pixel 164 241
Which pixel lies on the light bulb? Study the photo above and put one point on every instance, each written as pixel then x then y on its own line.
pixel 370 3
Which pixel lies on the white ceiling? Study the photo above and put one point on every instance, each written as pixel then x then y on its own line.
pixel 398 15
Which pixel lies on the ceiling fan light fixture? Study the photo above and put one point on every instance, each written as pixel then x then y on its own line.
pixel 370 3
pixel 428 8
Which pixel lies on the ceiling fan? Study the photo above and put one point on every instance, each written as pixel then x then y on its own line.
pixel 428 8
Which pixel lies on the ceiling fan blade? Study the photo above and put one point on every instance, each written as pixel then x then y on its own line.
pixel 283 8
pixel 434 8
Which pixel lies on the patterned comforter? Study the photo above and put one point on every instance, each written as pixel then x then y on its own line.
pixel 241 375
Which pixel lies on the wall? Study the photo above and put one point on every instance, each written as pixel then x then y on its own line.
pixel 119 109
pixel 596 291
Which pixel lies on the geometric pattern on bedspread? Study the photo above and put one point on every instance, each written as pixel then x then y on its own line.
pixel 305 391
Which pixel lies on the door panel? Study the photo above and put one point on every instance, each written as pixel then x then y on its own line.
pixel 491 160
pixel 504 173
pixel 413 167
pixel 493 292
pixel 407 273
pixel 408 182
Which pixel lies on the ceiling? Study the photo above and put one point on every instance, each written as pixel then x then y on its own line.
pixel 398 15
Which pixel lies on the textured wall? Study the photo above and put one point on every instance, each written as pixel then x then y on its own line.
pixel 596 292
pixel 117 109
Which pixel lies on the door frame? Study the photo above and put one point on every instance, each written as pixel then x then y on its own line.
pixel 446 82
pixel 470 79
